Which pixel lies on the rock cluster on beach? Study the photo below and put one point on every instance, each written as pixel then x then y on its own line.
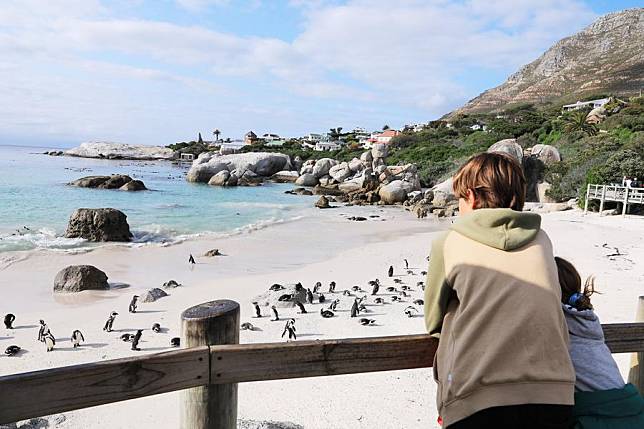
pixel 241 169
pixel 77 278
pixel 104 224
pixel 111 150
pixel 115 181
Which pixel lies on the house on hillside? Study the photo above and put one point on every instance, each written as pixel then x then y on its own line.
pixel 250 138
pixel 478 127
pixel 276 142
pixel 231 146
pixel 386 136
pixel 327 145
pixel 592 104
pixel 270 137
pixel 314 138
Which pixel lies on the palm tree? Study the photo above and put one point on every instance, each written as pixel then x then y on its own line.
pixel 576 121
pixel 216 133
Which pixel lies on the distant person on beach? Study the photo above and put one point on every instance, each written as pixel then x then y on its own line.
pixel 602 399
pixel 493 302
pixel 191 259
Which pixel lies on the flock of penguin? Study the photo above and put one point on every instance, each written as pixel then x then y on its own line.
pixel 77 339
pixel 396 294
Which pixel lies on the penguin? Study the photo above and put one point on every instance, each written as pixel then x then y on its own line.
pixel 326 313
pixel 285 297
pixel 376 288
pixel 334 304
pixel 410 272
pixel 332 287
pixel 298 287
pixel 309 296
pixel 366 322
pixel 276 287
pixel 419 302
pixel 420 284
pixel 406 264
pixel 405 287
pixel 395 298
pixel 50 341
pixel 302 309
pixel 175 342
pixel 8 320
pixel 354 308
pixel 127 337
pixel 277 316
pixel 379 301
pixel 362 308
pixel 321 298
pixel 132 307
pixel 191 260
pixel 390 272
pixel 423 273
pixel 398 281
pixel 136 339
pixel 258 311
pixel 247 326
pixel 156 328
pixel 411 311
pixel 403 293
pixel 42 331
pixel 356 289
pixel 346 293
pixel 77 337
pixel 110 321
pixel 391 289
pixel 12 350
pixel 317 287
pixel 290 328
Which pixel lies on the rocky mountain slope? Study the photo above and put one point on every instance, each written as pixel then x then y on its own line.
pixel 605 57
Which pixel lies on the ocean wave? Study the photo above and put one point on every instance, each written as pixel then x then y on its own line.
pixel 258 205
pixel 43 238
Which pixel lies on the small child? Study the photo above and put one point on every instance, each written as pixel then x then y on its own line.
pixel 602 399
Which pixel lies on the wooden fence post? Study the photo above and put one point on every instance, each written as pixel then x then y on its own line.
pixel 625 207
pixel 213 406
pixel 587 197
pixel 636 373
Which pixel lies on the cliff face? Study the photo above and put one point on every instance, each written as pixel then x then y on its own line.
pixel 605 57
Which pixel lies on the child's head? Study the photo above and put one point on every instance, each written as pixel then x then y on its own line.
pixel 570 282
pixel 490 180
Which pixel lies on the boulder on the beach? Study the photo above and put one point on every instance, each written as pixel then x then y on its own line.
pixel 263 164
pixel 111 150
pixel 508 146
pixel 340 172
pixel 77 278
pixel 546 153
pixel 171 284
pixel 203 172
pixel 322 203
pixel 379 151
pixel 212 252
pixel 306 179
pixel 223 178
pixel 356 165
pixel 443 199
pixel 366 158
pixel 153 294
pixel 285 176
pixel 133 185
pixel 322 167
pixel 395 192
pixel 105 224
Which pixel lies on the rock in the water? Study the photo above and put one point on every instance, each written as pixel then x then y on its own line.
pixel 340 172
pixel 508 146
pixel 110 150
pixel 221 179
pixel 153 294
pixel 212 252
pixel 77 278
pixel 395 192
pixel 546 153
pixel 105 224
pixel 263 164
pixel 134 185
pixel 203 171
pixel 322 203
pixel 171 284
pixel 322 167
pixel 307 179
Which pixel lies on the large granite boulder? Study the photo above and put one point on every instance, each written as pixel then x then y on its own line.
pixel 306 179
pixel 111 150
pixel 395 192
pixel 264 164
pixel 510 147
pixel 223 178
pixel 356 165
pixel 115 181
pixel 153 294
pixel 546 153
pixel 203 172
pixel 340 172
pixel 379 150
pixel 322 203
pixel 285 176
pixel 366 158
pixel 134 185
pixel 77 278
pixel 322 167
pixel 105 224
pixel 270 165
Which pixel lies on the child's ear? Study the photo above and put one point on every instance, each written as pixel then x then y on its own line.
pixel 471 199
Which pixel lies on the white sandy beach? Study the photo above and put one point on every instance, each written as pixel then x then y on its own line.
pixel 322 248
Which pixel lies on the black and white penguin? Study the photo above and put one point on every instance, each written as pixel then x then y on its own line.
pixel 76 338
pixel 403 293
pixel 423 273
pixel 391 289
pixel 191 260
pixel 50 341
pixel 301 306
pixel 275 313
pixel 321 298
pixel 406 264
pixel 356 289
pixel 276 287
pixel 390 272
pixel 8 320
pixel 247 326
pixel 309 296
pixel 334 304
pixel 375 289
pixel 379 301
pixel 346 292
pixel 110 321
pixel 132 307
pixel 395 298
pixel 332 287
pixel 258 311
pixel 290 328
pixel 127 337
pixel 317 287
pixel 410 272
pixel 156 327
pixel 398 281
pixel 12 350
pixel 411 311
pixel 354 308
pixel 419 302
pixel 326 313
pixel 42 331
pixel 136 339
pixel 366 322
pixel 175 342
pixel 298 287
pixel 285 297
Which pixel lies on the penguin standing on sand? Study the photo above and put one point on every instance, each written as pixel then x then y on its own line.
pixel 334 304
pixel 390 273
pixel 309 296
pixel 191 259
pixel 277 316
pixel 317 287
pixel 8 320
pixel 258 311
pixel 290 328
pixel 12 350
pixel 332 287
pixel 406 264
pixel 175 342
pixel 156 328
pixel 321 298
pixel 50 341
pixel 132 307
pixel 110 321
pixel 136 339
pixel 302 309
pixel 43 331
pixel 354 308
pixel 376 288
pixel 77 338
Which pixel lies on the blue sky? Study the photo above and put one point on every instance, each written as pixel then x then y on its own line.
pixel 160 71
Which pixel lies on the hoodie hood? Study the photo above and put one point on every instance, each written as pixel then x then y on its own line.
pixel 583 324
pixel 503 229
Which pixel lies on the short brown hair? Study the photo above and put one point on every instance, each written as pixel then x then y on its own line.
pixel 496 179
pixel 570 283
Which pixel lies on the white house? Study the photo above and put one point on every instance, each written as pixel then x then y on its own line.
pixel 592 104
pixel 276 142
pixel 386 136
pixel 231 146
pixel 330 145
pixel 313 137
pixel 478 127
pixel 270 137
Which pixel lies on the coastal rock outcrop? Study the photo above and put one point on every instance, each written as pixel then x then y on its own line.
pixel 322 167
pixel 134 185
pixel 322 203
pixel 285 176
pixel 546 153
pixel 115 181
pixel 223 178
pixel 340 172
pixel 260 164
pixel 111 150
pixel 395 192
pixel 153 294
pixel 508 146
pixel 104 224
pixel 77 278
pixel 306 179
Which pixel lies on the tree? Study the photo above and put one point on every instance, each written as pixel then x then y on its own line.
pixel 216 133
pixel 385 127
pixel 576 122
pixel 200 139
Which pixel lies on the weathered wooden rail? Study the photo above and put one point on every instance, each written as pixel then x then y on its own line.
pixel 616 193
pixel 69 388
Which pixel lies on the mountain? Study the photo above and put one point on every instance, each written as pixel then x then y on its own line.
pixel 605 57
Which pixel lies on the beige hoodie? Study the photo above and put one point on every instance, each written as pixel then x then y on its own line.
pixel 493 300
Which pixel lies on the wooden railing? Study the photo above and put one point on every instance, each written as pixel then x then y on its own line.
pixel 69 388
pixel 616 193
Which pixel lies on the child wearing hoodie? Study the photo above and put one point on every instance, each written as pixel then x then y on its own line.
pixel 602 399
pixel 494 303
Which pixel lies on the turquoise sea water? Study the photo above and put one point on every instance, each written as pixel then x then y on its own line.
pixel 34 194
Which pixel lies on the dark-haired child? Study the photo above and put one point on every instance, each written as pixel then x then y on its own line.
pixel 602 399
